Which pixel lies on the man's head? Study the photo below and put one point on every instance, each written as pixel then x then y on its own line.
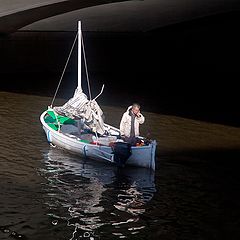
pixel 135 108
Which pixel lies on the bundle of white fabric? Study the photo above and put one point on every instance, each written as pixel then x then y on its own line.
pixel 79 107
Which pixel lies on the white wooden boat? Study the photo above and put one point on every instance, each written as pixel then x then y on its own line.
pixel 66 133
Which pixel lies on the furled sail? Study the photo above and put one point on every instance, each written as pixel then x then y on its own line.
pixel 79 107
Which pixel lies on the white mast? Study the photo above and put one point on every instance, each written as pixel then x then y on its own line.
pixel 79 55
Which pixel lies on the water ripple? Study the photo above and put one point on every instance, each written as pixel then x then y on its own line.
pixel 85 190
pixel 49 194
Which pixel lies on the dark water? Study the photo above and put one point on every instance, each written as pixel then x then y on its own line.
pixel 49 194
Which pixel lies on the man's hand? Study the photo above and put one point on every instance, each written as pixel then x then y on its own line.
pixel 138 114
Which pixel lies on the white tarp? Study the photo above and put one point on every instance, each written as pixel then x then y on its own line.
pixel 79 107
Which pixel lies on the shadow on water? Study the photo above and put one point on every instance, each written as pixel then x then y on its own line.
pixel 95 200
pixel 214 154
pixel 198 195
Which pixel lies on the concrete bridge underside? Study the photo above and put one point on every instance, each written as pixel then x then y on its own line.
pixel 104 15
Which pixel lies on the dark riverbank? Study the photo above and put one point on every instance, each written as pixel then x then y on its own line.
pixel 212 105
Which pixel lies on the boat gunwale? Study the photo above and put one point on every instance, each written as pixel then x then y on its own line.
pixel 84 143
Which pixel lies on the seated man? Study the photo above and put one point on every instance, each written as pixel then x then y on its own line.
pixel 129 125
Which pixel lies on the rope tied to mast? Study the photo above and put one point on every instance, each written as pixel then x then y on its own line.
pixel 79 106
pixel 85 63
pixel 55 94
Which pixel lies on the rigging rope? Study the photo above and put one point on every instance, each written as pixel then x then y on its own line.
pixel 85 63
pixel 64 70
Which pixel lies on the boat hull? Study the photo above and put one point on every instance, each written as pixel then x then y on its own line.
pixel 142 156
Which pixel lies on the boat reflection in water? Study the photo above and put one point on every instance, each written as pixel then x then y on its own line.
pixel 93 199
